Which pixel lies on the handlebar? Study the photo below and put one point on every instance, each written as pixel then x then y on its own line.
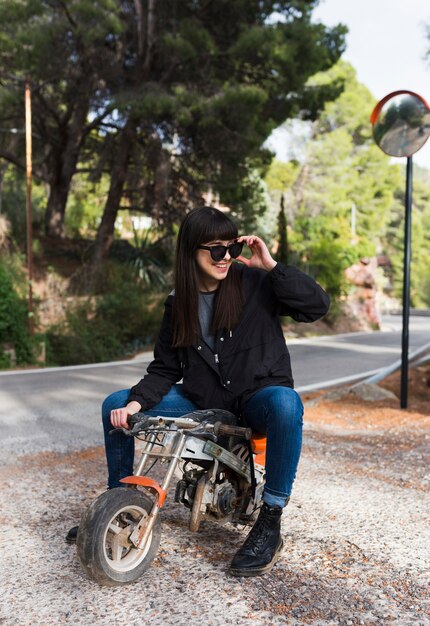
pixel 139 422
pixel 232 431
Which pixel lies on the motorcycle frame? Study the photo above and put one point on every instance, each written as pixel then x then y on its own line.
pixel 171 435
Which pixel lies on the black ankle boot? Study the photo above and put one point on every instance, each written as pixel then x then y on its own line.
pixel 72 535
pixel 262 546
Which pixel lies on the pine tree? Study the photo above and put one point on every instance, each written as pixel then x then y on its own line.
pixel 167 98
pixel 282 253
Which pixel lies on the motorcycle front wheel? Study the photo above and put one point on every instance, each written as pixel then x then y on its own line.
pixel 104 546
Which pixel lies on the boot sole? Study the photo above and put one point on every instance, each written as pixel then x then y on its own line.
pixel 257 571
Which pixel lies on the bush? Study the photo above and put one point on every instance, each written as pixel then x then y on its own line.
pixel 13 319
pixel 14 203
pixel 124 319
pixel 149 258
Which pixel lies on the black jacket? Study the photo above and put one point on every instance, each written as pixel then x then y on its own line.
pixel 253 356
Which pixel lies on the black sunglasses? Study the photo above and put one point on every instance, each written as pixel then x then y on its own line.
pixel 219 252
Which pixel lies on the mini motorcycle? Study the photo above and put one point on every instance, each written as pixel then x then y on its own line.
pixel 220 467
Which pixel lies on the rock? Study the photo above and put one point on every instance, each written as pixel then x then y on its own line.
pixel 363 299
pixel 371 393
pixel 365 391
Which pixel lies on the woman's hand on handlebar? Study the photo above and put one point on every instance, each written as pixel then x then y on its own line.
pixel 119 417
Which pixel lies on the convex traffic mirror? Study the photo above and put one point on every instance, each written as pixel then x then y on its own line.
pixel 401 123
pixel 401 126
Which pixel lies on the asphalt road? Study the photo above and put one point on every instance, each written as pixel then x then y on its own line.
pixel 325 361
pixel 58 409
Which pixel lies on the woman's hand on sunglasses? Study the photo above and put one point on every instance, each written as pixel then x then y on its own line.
pixel 260 257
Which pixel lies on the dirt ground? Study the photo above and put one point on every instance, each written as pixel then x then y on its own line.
pixel 356 534
pixel 350 412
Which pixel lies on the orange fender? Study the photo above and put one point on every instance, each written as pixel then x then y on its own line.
pixel 144 481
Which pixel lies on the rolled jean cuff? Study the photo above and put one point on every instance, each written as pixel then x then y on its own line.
pixel 274 500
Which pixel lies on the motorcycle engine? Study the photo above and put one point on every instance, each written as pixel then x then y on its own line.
pixel 220 498
pixel 225 499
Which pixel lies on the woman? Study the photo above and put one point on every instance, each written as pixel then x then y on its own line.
pixel 222 335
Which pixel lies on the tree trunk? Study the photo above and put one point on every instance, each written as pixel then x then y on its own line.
pixel 140 25
pixel 66 159
pixel 119 172
pixel 106 229
pixel 161 188
pixel 56 207
pixel 150 35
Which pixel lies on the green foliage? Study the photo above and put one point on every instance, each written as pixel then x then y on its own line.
pixel 281 176
pixel 13 203
pixel 149 257
pixel 122 311
pixel 204 84
pixel 420 246
pixel 63 48
pixel 350 109
pixel 85 205
pixel 113 325
pixel 14 328
pixel 81 341
pixel 246 199
pixel 342 175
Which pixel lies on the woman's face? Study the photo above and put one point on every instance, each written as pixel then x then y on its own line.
pixel 210 271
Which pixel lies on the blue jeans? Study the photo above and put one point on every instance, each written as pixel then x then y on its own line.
pixel 276 412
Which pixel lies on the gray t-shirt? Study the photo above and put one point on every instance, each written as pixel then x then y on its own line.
pixel 206 308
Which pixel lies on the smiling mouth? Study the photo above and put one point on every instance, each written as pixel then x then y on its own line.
pixel 221 266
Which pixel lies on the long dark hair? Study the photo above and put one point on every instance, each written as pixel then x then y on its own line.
pixel 201 226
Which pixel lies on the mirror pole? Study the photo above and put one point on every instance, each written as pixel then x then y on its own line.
pixel 406 285
pixel 28 168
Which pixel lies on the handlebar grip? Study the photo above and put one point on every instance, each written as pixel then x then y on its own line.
pixel 135 418
pixel 232 431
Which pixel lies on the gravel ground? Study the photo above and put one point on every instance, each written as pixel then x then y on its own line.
pixel 357 537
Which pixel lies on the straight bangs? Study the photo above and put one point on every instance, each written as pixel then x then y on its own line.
pixel 214 225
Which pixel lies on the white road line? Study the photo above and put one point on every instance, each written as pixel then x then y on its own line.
pixel 354 347
pixel 146 357
pixel 337 381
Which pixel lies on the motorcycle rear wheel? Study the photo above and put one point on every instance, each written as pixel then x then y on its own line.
pixel 103 544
